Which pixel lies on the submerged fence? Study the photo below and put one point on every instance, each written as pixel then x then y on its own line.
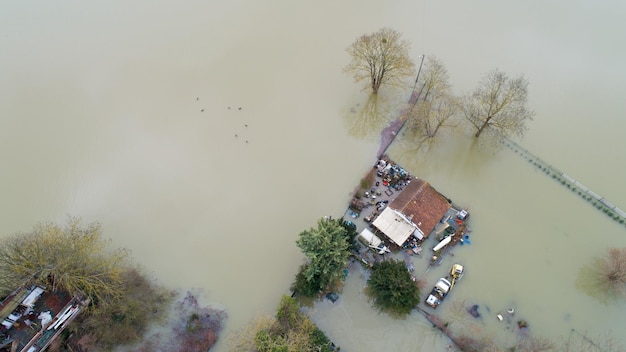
pixel 585 193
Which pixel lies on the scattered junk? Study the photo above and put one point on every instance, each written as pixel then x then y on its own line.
pixel 393 176
pixel 34 316
pixel 372 241
pixel 413 244
pixel 444 285
pixel 473 311
pixel 441 227
pixel 410 267
pixel 357 205
pixel 509 310
pixel 442 244
pixel 332 297
pixel 380 205
pixel 435 260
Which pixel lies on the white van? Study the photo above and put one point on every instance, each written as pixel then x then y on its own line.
pixel 368 238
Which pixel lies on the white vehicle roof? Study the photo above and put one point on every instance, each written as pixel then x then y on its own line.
pixel 443 284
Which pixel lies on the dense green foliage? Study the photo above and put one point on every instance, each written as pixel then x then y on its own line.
pixel 304 287
pixel 291 331
pixel 351 233
pixel 391 287
pixel 327 250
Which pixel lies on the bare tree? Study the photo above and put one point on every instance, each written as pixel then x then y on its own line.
pixel 605 278
pixel 613 269
pixel 382 58
pixel 499 104
pixel 430 116
pixel 535 344
pixel 582 342
pixel 435 106
pixel 434 79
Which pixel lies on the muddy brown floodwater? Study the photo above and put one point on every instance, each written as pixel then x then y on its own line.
pixel 206 135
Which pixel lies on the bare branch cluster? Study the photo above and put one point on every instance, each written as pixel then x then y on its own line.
pixel 499 104
pixel 435 106
pixel 605 278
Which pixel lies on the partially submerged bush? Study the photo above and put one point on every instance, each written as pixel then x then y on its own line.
pixel 392 288
pixel 126 319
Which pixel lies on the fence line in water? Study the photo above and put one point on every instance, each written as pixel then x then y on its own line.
pixel 597 201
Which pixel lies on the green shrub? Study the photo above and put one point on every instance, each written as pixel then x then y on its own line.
pixel 304 287
pixel 391 287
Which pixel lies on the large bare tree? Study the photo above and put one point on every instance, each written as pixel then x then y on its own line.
pixel 435 105
pixel 380 58
pixel 499 105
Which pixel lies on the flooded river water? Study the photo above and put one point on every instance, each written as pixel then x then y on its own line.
pixel 205 136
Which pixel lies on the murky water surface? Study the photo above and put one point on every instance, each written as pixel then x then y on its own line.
pixel 205 136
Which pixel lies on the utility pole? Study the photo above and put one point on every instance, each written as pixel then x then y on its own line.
pixel 415 96
pixel 419 70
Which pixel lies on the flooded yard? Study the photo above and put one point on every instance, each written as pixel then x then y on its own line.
pixel 129 114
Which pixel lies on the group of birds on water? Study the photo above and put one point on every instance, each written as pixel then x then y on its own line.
pixel 229 108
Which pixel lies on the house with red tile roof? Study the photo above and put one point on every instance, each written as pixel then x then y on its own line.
pixel 415 211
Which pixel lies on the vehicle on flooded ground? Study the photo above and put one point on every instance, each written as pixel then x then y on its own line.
pixel 444 285
pixel 372 241
pixel 456 272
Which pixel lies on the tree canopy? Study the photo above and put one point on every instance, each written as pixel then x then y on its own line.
pixel 380 58
pixel 327 250
pixel 74 258
pixel 290 330
pixel 392 288
pixel 498 105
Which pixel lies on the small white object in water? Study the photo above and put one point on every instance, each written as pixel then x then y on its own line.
pixel 500 317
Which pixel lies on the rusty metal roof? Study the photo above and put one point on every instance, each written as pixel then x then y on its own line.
pixel 421 203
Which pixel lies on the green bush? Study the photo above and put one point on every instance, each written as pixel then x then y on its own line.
pixel 350 234
pixel 304 287
pixel 392 289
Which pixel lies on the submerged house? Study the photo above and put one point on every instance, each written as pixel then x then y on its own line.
pixel 33 317
pixel 415 211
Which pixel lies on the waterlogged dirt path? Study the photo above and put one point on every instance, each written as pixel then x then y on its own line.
pixel 389 133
